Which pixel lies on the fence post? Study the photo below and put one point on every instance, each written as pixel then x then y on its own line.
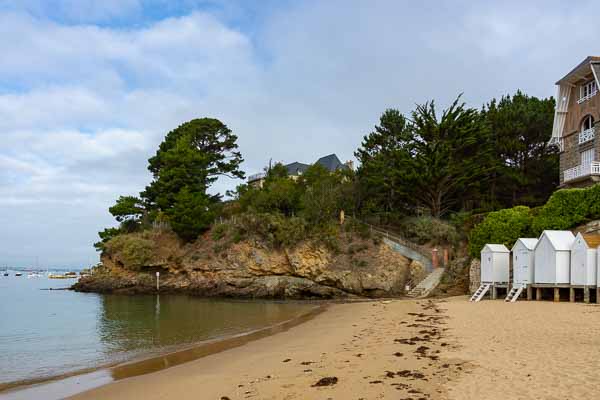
pixel 434 257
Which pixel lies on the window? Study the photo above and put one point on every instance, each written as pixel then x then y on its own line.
pixel 587 91
pixel 588 123
pixel 587 157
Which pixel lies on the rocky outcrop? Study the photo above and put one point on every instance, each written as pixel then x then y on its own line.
pixel 361 268
pixel 474 275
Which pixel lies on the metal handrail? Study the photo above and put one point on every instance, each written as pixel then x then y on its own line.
pixel 398 239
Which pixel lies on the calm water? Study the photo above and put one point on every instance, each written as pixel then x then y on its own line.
pixel 47 333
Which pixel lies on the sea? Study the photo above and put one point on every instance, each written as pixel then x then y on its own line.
pixel 48 332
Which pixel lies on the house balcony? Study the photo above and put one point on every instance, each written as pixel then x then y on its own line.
pixel 591 94
pixel 587 135
pixel 257 177
pixel 582 170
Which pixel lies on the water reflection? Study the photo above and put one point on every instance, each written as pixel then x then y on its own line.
pixel 133 324
pixel 48 333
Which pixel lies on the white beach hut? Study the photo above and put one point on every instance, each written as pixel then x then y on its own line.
pixel 553 257
pixel 495 261
pixel 523 257
pixel 583 259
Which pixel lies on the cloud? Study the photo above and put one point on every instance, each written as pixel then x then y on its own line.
pixel 84 100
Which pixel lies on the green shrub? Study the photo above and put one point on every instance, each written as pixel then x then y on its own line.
pixel 564 209
pixel 219 231
pixel 354 248
pixel 275 229
pixel 504 226
pixel 428 229
pixel 134 250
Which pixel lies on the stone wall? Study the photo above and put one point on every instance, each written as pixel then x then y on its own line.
pixel 474 275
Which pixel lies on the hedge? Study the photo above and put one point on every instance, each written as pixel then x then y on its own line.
pixel 504 226
pixel 565 209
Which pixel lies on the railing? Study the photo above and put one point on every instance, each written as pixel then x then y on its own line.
pixel 422 254
pixel 589 96
pixel 587 135
pixel 257 177
pixel 558 142
pixel 592 168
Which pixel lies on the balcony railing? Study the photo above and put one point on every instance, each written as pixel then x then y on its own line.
pixel 592 168
pixel 587 135
pixel 589 96
pixel 257 177
pixel 558 142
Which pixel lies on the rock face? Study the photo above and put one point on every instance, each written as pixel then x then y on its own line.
pixel 248 269
pixel 474 275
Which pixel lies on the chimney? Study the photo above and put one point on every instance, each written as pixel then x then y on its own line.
pixel 350 164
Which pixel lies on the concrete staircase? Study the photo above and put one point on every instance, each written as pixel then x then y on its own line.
pixel 427 285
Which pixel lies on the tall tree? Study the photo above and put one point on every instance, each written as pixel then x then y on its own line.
pixel 383 155
pixel 452 155
pixel 526 169
pixel 187 162
pixel 430 162
pixel 192 156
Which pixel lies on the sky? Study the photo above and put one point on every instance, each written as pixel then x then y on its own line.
pixel 89 88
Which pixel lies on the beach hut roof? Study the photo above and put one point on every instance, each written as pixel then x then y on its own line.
pixel 529 243
pixel 496 248
pixel 592 240
pixel 560 240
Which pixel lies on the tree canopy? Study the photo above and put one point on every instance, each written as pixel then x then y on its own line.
pixel 187 162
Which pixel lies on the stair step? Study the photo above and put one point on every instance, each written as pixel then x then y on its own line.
pixel 514 294
pixel 480 292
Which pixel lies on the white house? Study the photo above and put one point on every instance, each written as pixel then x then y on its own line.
pixel 523 256
pixel 583 259
pixel 495 264
pixel 552 261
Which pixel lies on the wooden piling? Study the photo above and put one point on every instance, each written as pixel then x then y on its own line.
pixel 538 293
pixel 529 293
pixel 572 295
pixel 556 295
pixel 586 294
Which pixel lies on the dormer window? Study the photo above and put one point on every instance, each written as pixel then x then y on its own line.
pixel 587 90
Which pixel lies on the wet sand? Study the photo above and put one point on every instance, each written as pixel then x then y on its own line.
pixel 403 349
pixel 351 351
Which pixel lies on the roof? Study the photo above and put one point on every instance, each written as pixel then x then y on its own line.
pixel 331 162
pixel 296 168
pixel 592 240
pixel 560 240
pixel 580 71
pixel 496 248
pixel 529 243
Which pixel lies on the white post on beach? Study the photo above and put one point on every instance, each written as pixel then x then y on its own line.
pixel 157 280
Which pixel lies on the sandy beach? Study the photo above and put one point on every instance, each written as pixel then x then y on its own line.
pixel 401 349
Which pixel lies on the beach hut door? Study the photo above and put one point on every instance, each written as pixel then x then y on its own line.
pixel 486 270
pixel 522 266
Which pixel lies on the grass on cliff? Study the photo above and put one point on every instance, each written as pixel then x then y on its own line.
pixel 135 251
